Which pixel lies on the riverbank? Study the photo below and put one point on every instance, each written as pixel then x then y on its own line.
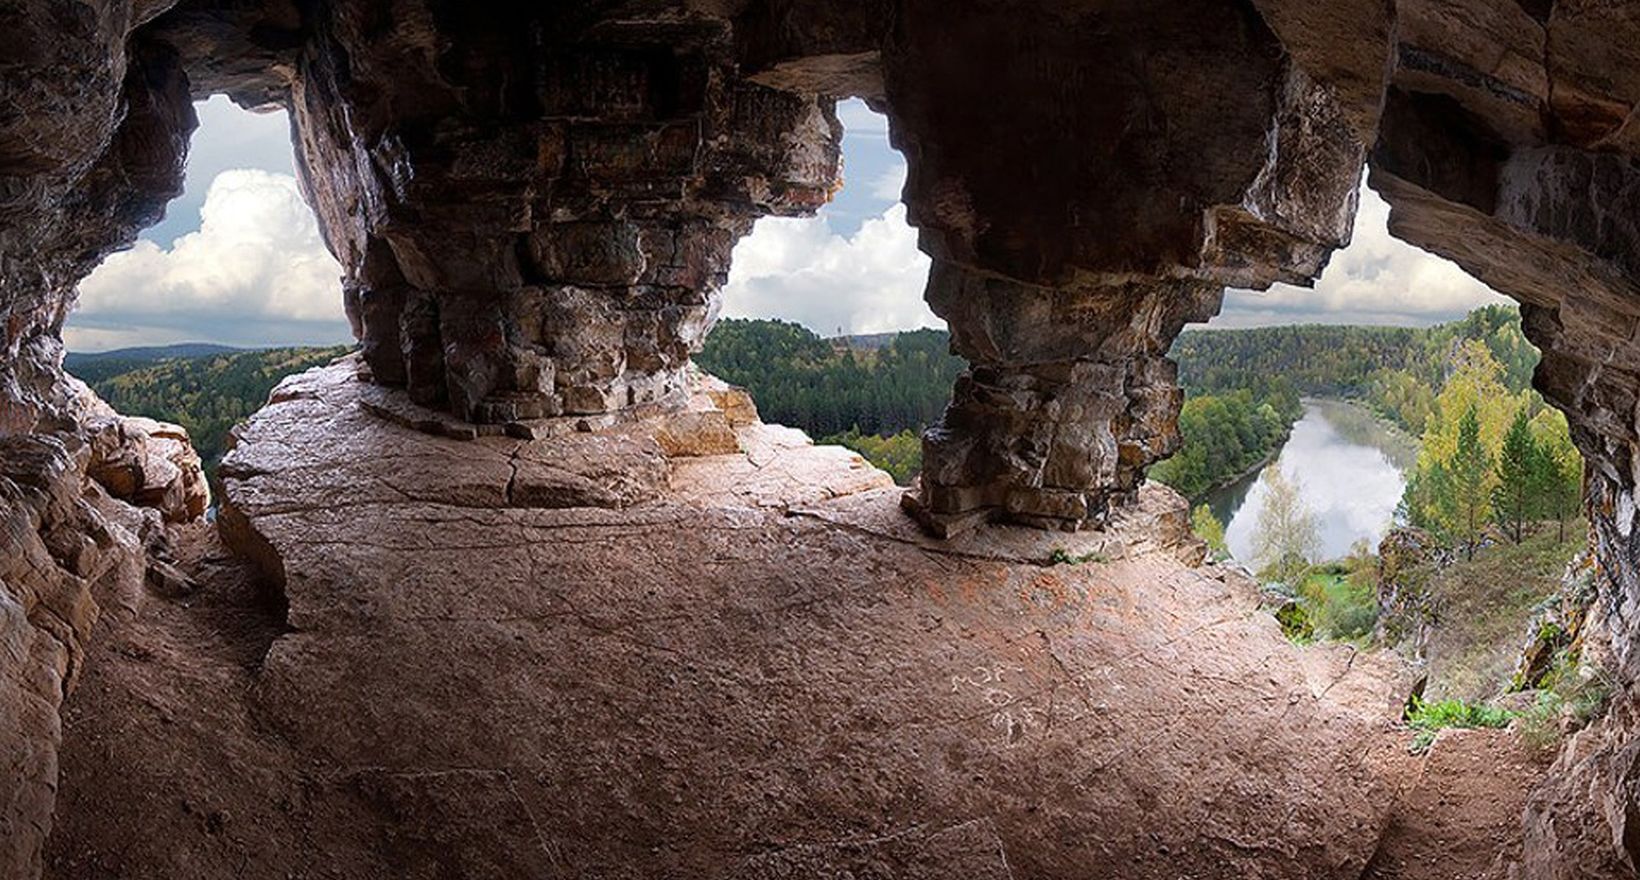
pixel 1358 419
pixel 1251 472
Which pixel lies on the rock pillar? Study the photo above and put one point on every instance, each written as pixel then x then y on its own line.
pixel 1087 179
pixel 1068 397
pixel 535 220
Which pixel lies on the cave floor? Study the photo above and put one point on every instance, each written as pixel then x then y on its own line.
pixel 582 656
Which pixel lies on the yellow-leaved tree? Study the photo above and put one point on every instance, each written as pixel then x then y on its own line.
pixel 1450 488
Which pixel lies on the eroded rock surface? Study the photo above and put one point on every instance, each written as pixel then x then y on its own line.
pixel 1459 816
pixel 535 204
pixel 721 673
pixel 70 554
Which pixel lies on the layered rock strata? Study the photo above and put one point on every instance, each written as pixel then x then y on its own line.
pixel 1080 208
pixel 71 553
pixel 534 207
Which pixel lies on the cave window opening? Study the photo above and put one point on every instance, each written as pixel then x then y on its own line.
pixel 824 319
pixel 1322 432
pixel 229 292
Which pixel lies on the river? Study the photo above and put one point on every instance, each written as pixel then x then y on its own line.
pixel 1349 467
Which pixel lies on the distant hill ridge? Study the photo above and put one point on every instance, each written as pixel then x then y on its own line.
pixel 207 392
pixel 154 352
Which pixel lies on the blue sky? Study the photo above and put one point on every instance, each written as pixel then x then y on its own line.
pixel 238 258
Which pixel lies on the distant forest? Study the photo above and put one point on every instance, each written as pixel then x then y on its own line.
pixel 1395 370
pixel 874 396
pixel 206 394
pixel 1238 383
pixel 878 393
pixel 828 387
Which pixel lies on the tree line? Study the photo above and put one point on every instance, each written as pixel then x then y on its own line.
pixel 1226 435
pixel 875 397
pixel 829 387
pixel 1397 372
pixel 206 395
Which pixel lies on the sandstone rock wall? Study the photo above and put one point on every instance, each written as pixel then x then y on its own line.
pixel 742 664
pixel 69 553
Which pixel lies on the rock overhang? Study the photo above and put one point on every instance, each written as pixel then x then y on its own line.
pixel 535 206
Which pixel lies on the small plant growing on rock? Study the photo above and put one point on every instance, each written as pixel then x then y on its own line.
pixel 1061 556
pixel 1569 700
pixel 1430 718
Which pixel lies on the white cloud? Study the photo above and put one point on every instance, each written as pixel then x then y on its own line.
pixel 1378 279
pixel 256 272
pixel 799 270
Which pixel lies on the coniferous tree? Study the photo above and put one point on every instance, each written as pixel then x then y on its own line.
pixel 1557 484
pixel 1469 470
pixel 1520 470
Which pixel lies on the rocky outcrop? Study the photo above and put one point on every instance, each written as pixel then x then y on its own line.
pixel 69 554
pixel 1408 560
pixel 534 206
pixel 744 664
pixel 1066 258
pixel 534 215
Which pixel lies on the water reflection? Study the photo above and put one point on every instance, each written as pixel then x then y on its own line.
pixel 1348 466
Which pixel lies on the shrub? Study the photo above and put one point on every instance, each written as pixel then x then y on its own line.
pixel 1339 604
pixel 1569 699
pixel 1430 718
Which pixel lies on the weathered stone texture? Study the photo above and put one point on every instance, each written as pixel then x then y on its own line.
pixel 1069 396
pixel 725 674
pixel 535 207
pixel 68 553
pixel 1077 157
pixel 1505 147
pixel 537 220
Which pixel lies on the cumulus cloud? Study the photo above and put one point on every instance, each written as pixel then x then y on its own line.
pixel 255 273
pixel 1378 279
pixel 800 270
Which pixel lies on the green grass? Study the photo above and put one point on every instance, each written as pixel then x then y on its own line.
pixel 1484 607
pixel 1430 718
pixel 1569 698
pixel 1337 601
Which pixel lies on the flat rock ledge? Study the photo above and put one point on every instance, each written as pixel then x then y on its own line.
pixel 583 655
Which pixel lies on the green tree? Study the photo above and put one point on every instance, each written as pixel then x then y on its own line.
pixel 1286 540
pixel 1522 469
pixel 1557 484
pixel 1210 530
pixel 1470 469
pixel 900 455
pixel 880 386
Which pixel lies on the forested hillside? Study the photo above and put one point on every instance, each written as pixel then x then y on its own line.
pixel 93 367
pixel 1235 380
pixel 878 393
pixel 827 387
pixel 1395 370
pixel 207 395
pixel 874 396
